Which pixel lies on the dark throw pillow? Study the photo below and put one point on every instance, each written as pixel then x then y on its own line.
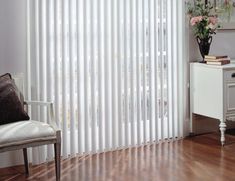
pixel 11 107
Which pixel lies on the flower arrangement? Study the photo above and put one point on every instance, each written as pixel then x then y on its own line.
pixel 203 19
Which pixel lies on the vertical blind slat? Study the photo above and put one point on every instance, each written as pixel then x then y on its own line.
pixel 71 78
pixel 56 56
pixel 100 62
pixel 151 71
pixel 37 57
pixel 168 69
pixel 119 52
pixel 126 74
pixel 166 77
pixel 161 42
pixel 176 75
pixel 174 43
pixel 156 58
pixel 132 114
pixel 144 109
pixel 106 72
pixel 49 65
pixel 169 63
pixel 28 62
pixel 177 70
pixel 44 68
pixel 64 74
pixel 114 75
pixel 93 80
pixel 86 78
pixel 181 68
pixel 138 70
pixel 41 68
pixel 110 74
pixel 80 113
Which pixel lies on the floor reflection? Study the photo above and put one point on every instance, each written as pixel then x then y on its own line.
pixel 198 158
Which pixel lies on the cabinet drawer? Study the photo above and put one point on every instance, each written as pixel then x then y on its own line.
pixel 230 116
pixel 230 96
pixel 229 75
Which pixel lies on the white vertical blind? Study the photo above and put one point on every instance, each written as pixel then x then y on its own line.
pixel 112 67
pixel 119 59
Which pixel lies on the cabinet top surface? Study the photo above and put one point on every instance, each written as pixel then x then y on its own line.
pixel 227 66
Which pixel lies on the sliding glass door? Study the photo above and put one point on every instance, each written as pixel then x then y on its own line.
pixel 112 68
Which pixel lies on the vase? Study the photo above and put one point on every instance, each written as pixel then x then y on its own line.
pixel 204 45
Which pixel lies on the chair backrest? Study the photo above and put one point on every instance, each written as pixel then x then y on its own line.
pixel 19 81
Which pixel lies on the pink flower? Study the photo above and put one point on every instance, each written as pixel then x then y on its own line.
pixel 213 20
pixel 226 2
pixel 211 26
pixel 195 20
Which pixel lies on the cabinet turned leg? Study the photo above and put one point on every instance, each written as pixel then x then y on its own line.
pixel 222 130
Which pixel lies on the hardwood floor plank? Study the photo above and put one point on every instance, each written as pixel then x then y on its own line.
pixel 197 158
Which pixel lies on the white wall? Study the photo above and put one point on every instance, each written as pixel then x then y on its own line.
pixel 223 43
pixel 12 53
pixel 12 36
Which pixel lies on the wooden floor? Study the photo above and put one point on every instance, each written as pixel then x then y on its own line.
pixel 200 158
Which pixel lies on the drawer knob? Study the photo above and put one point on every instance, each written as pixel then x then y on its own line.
pixel 233 75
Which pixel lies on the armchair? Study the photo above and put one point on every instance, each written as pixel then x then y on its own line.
pixel 31 133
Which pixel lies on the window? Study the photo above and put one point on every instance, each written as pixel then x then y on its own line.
pixel 111 67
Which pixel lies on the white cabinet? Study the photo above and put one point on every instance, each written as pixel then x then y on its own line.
pixel 212 93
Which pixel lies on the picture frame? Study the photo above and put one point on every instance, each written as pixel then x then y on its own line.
pixel 226 13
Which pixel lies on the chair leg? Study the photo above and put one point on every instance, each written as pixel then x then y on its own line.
pixel 57 149
pixel 26 163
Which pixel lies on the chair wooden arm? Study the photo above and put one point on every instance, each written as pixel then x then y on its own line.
pixel 38 103
pixel 50 111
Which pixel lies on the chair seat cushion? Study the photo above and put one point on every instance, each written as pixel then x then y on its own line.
pixel 23 132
